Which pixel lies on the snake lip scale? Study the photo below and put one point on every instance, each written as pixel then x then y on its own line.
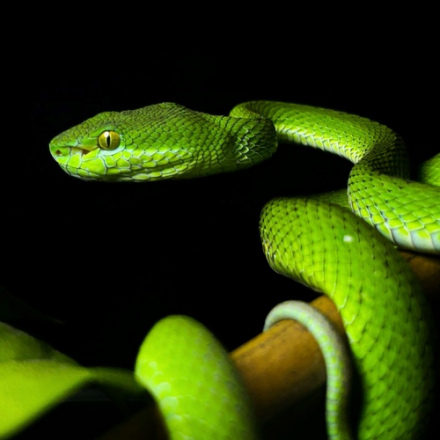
pixel 342 244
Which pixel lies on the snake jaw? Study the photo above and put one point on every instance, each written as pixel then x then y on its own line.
pixel 72 157
pixel 70 150
pixel 80 150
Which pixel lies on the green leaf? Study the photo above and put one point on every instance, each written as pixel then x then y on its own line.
pixel 34 377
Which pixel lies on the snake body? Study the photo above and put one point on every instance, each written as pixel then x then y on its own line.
pixel 331 248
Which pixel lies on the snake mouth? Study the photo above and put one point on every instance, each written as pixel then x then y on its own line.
pixel 59 152
pixel 79 150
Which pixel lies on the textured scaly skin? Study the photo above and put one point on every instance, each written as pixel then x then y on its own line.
pixel 335 252
pixel 178 380
pixel 429 171
pixel 407 213
pixel 380 302
pixel 336 355
pixel 163 141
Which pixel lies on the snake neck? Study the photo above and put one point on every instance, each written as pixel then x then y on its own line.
pixel 350 136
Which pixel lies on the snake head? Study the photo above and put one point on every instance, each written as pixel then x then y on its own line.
pixel 132 145
pixel 161 141
pixel 86 150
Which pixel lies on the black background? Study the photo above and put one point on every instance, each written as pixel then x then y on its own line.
pixel 109 260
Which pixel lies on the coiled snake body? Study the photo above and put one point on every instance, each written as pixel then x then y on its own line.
pixel 347 252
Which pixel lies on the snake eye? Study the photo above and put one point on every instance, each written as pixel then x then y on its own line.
pixel 109 140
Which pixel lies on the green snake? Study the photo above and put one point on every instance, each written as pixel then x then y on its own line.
pixel 341 245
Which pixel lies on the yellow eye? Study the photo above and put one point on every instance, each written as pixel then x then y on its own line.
pixel 109 140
